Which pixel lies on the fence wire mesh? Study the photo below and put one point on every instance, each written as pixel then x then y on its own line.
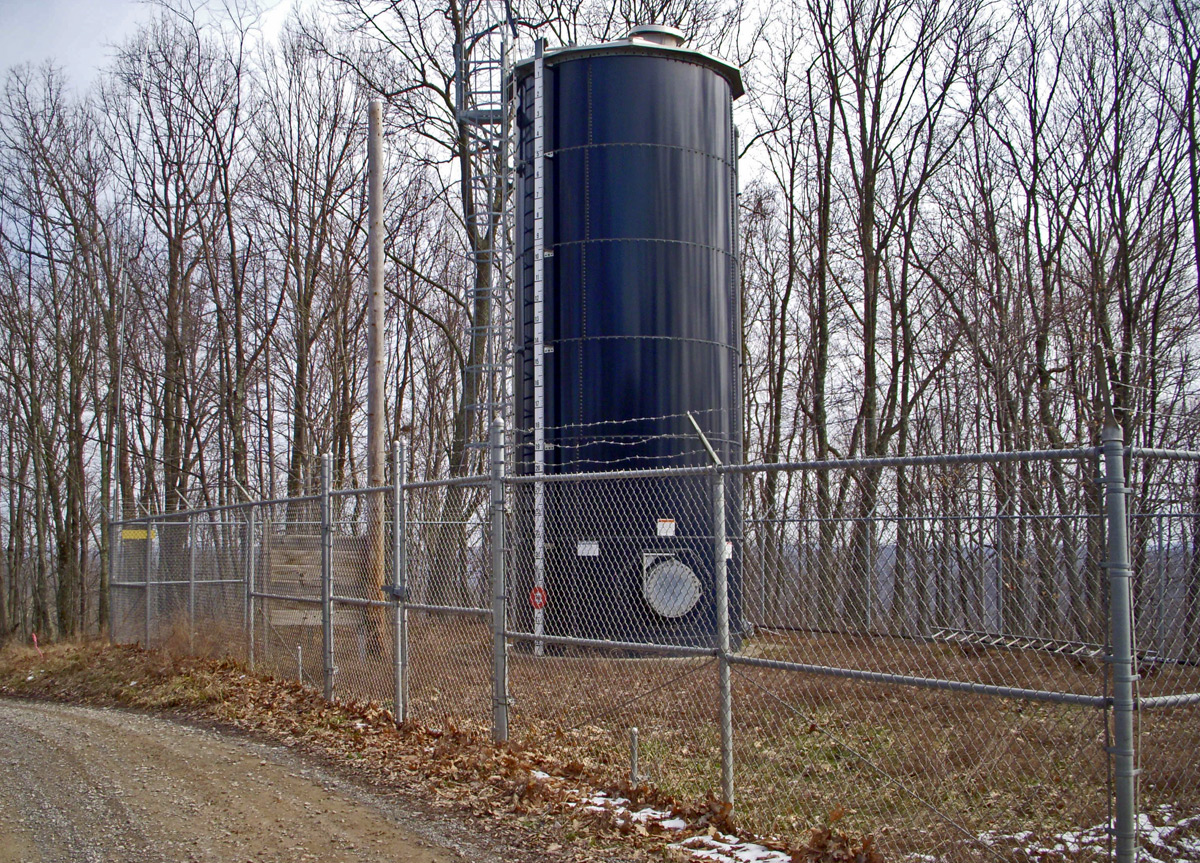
pixel 919 647
pixel 449 585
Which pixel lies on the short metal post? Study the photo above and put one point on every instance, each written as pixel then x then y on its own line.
pixel 499 591
pixel 1124 828
pixel 149 528
pixel 249 604
pixel 191 524
pixel 400 584
pixel 326 577
pixel 721 590
pixel 633 757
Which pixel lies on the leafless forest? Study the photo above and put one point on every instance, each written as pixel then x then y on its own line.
pixel 965 226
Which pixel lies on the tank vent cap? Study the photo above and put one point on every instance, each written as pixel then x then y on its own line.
pixel 670 588
pixel 657 34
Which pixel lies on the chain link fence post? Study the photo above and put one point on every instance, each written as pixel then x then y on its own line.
pixel 191 602
pixel 499 591
pixel 400 585
pixel 721 588
pixel 326 578
pixel 149 615
pixel 249 603
pixel 116 571
pixel 1121 640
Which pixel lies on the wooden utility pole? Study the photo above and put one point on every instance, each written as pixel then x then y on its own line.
pixel 376 427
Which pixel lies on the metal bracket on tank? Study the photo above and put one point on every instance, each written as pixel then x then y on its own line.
pixel 539 336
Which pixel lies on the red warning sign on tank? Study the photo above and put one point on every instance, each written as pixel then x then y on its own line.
pixel 666 527
pixel 537 597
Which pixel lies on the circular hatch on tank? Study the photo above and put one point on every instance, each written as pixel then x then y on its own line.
pixel 671 588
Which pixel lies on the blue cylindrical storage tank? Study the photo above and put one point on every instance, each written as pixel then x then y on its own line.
pixel 632 322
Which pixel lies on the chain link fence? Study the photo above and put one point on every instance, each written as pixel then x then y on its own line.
pixel 969 657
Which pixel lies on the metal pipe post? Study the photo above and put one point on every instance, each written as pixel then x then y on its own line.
pixel 191 583
pixel 148 579
pixel 499 591
pixel 116 570
pixel 400 584
pixel 326 577
pixel 633 757
pixel 1122 753
pixel 721 590
pixel 249 604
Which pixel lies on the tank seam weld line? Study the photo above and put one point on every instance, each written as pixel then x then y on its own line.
pixel 727 254
pixel 679 147
pixel 725 345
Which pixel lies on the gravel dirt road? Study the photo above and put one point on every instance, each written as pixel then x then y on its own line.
pixel 107 786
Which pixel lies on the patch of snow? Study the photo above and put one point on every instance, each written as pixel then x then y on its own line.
pixel 1158 832
pixel 647 815
pixel 730 849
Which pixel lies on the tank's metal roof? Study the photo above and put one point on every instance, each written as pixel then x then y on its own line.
pixel 634 45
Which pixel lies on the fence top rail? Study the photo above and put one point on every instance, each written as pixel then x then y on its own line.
pixel 181 516
pixel 170 517
pixel 825 464
pixel 812 465
pixel 351 492
pixel 1169 454
pixel 469 481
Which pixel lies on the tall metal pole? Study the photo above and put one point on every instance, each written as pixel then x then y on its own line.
pixel 539 336
pixel 400 585
pixel 499 591
pixel 1123 753
pixel 326 579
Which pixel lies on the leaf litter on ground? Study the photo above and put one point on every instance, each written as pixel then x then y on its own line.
pixel 572 807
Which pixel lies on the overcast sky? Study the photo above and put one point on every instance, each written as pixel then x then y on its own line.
pixel 76 34
pixel 79 35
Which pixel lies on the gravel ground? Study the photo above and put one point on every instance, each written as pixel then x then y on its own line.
pixel 107 786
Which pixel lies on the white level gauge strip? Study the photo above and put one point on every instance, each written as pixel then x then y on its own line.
pixel 539 346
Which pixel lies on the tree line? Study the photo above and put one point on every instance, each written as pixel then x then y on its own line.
pixel 964 226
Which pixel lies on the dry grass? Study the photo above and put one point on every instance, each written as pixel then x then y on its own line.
pixel 922 770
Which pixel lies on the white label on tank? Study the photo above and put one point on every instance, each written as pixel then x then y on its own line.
pixel 666 527
pixel 587 548
pixel 728 550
